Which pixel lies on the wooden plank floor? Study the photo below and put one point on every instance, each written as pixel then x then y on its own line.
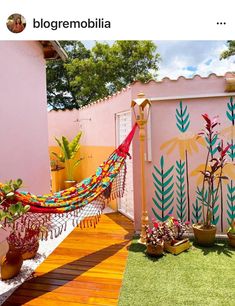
pixel 85 269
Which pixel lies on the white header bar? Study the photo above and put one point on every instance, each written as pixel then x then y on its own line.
pixel 90 19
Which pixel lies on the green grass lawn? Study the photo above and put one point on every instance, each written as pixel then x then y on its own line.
pixel 200 276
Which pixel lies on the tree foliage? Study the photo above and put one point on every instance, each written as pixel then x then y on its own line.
pixel 88 75
pixel 230 51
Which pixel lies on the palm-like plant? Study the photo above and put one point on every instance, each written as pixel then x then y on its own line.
pixel 68 153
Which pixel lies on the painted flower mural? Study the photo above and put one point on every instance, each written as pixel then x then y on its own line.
pixel 186 143
pixel 186 181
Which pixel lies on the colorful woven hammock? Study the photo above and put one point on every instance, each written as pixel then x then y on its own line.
pixel 82 203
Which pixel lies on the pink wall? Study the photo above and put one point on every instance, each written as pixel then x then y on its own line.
pixel 163 128
pixel 97 122
pixel 23 115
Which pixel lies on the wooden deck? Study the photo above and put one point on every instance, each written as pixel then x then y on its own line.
pixel 85 269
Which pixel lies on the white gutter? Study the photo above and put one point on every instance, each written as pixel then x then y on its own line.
pixel 214 95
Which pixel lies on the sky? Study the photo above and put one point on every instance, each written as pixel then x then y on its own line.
pixel 188 58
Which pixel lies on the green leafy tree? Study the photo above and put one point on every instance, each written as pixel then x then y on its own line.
pixel 230 51
pixel 60 95
pixel 89 75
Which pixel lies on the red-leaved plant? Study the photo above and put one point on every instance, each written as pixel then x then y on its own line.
pixel 178 228
pixel 213 172
pixel 171 231
pixel 158 233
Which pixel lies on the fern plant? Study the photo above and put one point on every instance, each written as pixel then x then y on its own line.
pixel 68 153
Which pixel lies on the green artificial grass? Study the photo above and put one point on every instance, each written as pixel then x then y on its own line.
pixel 200 276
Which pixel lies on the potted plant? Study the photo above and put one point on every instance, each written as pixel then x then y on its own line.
pixel 212 179
pixel 231 234
pixel 178 243
pixel 67 155
pixel 156 235
pixel 154 239
pixel 10 212
pixel 57 176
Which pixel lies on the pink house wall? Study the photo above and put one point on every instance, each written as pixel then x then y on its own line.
pixel 201 95
pixel 97 122
pixel 23 115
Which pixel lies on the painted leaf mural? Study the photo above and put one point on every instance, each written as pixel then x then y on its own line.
pixel 231 186
pixel 182 118
pixel 204 198
pixel 197 212
pixel 230 202
pixel 164 191
pixel 184 148
pixel 181 193
pixel 212 145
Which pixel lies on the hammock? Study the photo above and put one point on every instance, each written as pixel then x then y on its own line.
pixel 83 203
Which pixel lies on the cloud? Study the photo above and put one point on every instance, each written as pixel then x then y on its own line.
pixel 188 58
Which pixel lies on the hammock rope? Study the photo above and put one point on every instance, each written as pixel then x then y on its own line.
pixel 83 203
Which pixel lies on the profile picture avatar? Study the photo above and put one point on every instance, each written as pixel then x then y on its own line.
pixel 16 23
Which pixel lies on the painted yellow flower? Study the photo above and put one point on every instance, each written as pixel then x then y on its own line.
pixel 228 133
pixel 228 170
pixel 184 142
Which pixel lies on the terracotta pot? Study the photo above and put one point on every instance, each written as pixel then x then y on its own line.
pixel 11 263
pixel 204 236
pixel 57 179
pixel 68 184
pixel 32 252
pixel 231 238
pixel 155 250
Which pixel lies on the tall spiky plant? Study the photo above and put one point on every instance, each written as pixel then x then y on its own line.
pixel 68 153
pixel 213 172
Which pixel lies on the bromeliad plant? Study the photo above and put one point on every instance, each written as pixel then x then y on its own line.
pixel 68 153
pixel 170 231
pixel 158 233
pixel 213 172
pixel 178 228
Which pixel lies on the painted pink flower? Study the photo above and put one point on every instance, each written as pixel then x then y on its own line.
pixel 187 223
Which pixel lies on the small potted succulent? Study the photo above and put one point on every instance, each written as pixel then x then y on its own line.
pixel 205 232
pixel 178 243
pixel 67 156
pixel 156 235
pixel 231 233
